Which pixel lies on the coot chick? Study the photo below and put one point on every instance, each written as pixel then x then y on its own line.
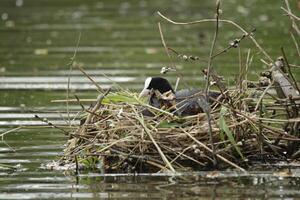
pixel 188 101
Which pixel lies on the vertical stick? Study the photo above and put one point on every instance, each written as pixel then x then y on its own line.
pixel 70 64
pixel 260 128
pixel 296 44
pixel 177 83
pixel 289 70
pixel 240 79
pixel 179 76
pixel 165 46
pixel 209 66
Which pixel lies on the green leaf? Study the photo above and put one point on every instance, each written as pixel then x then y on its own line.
pixel 85 162
pixel 225 129
pixel 221 122
pixel 119 97
pixel 166 124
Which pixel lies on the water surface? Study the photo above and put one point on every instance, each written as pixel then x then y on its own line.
pixel 119 43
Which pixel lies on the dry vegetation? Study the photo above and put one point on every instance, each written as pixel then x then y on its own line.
pixel 253 122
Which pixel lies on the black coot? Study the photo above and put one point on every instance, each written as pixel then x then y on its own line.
pixel 188 101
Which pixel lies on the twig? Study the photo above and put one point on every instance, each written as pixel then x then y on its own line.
pixel 208 149
pixel 79 102
pixel 207 86
pixel 165 46
pixel 70 64
pixel 72 100
pixel 112 144
pixel 77 167
pixel 182 153
pixel 296 43
pixel 99 89
pixel 166 161
pixel 51 124
pixel 97 106
pixel 185 57
pixel 290 14
pixel 6 132
pixel 235 43
pixel 262 95
pixel 10 131
pixel 221 20
pixel 167 52
pixel 289 70
pixel 294 24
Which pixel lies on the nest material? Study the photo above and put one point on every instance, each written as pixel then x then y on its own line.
pixel 246 127
pixel 117 138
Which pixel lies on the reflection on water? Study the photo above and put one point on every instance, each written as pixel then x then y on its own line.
pixel 21 177
pixel 194 186
pixel 119 39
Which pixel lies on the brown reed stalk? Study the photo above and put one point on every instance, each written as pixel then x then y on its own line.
pixel 210 150
pixel 99 88
pixel 207 86
pixel 164 158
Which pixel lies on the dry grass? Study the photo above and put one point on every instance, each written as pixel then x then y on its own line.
pixel 116 135
pixel 255 122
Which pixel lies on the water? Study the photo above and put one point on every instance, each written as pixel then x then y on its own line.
pixel 121 40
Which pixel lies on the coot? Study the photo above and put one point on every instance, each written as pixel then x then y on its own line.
pixel 187 101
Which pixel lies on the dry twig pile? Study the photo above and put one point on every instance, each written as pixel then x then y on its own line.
pixel 249 124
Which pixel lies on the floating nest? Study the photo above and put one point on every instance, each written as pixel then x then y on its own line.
pixel 248 125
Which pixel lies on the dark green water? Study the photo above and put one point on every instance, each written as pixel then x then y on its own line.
pixel 119 39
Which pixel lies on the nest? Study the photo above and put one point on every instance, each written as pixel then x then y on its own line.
pixel 244 127
pixel 252 123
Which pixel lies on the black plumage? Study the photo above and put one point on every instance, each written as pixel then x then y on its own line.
pixel 188 101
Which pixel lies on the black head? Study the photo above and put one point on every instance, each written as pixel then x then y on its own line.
pixel 156 83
